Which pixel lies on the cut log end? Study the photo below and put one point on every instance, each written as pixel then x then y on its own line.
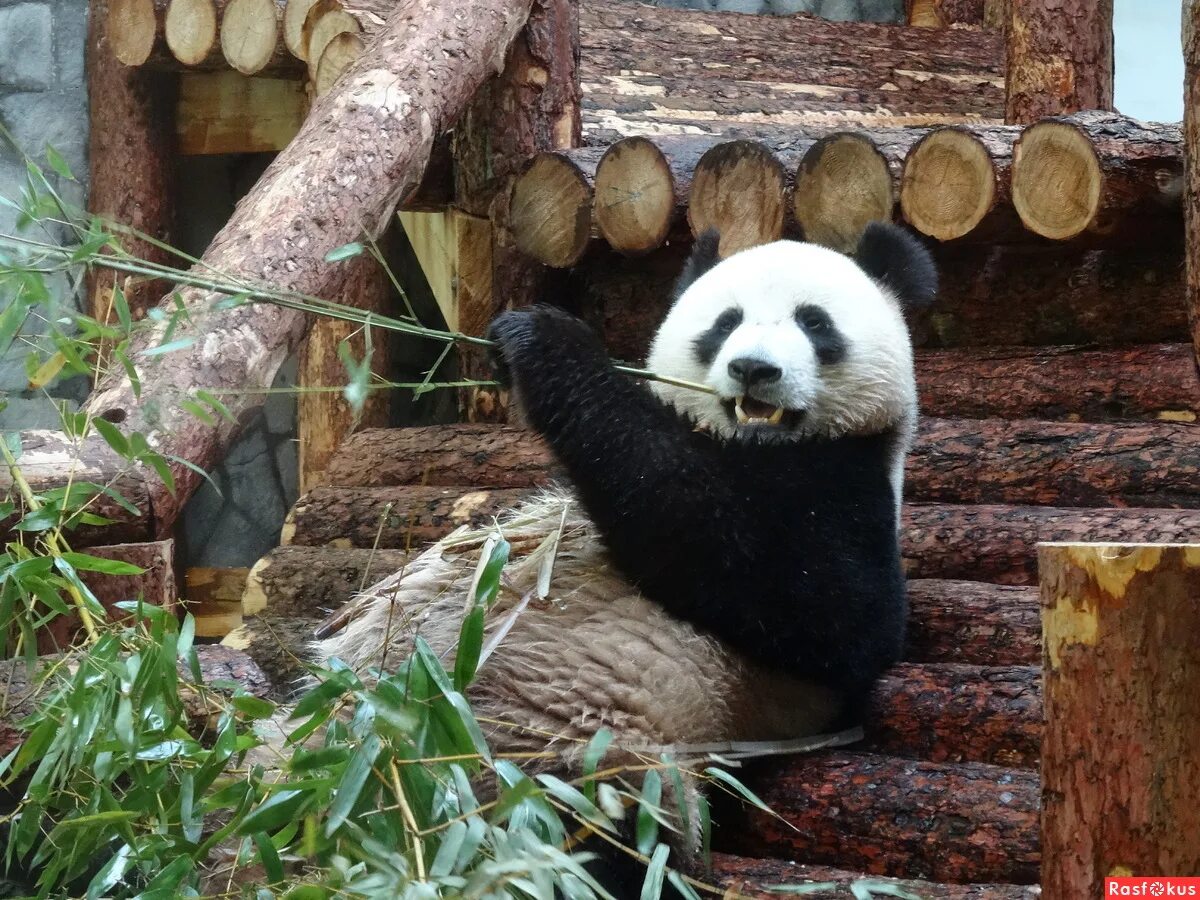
pixel 337 56
pixel 949 184
pixel 249 33
pixel 738 188
pixel 551 211
pixel 294 15
pixel 1057 181
pixel 131 30
pixel 191 30
pixel 635 196
pixel 322 27
pixel 842 185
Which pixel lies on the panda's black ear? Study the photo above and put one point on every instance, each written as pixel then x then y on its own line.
pixel 704 256
pixel 898 260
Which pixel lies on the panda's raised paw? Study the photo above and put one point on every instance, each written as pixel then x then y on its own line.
pixel 526 338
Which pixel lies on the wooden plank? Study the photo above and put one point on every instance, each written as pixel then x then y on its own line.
pixel 226 112
pixel 214 598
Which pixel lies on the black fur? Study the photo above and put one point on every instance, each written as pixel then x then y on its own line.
pixel 898 260
pixel 708 345
pixel 705 254
pixel 828 343
pixel 785 550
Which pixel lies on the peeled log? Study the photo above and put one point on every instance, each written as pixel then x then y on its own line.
pixel 313 581
pixel 550 211
pixel 738 188
pixel 336 58
pixel 957 822
pixel 1055 463
pixel 842 185
pixel 1059 58
pixel 250 36
pixel 972 622
pixel 298 212
pixel 1122 675
pixel 635 196
pixel 957 713
pixel 759 879
pixel 949 184
pixel 1149 382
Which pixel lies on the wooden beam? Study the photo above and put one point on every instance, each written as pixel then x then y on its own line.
pixel 1121 750
pixel 214 598
pixel 225 112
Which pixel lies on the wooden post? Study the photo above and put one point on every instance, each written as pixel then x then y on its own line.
pixel 533 105
pixel 1121 751
pixel 130 151
pixel 1060 58
pixel 1191 142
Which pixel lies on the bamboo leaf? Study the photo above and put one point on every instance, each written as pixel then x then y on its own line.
pixel 346 251
pixel 648 802
pixel 47 371
pixel 655 872
pixel 58 164
pixel 350 787
pixel 725 778
pixel 595 751
pixel 99 564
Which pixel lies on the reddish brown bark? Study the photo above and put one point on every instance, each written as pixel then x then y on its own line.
pixel 998 543
pixel 956 822
pixel 1156 381
pixel 1122 677
pixel 375 130
pixel 398 517
pixel 1191 135
pixel 130 164
pixel 956 713
pixel 755 877
pixel 944 13
pixel 972 622
pixel 1055 463
pixel 801 70
pixel 313 581
pixel 1060 58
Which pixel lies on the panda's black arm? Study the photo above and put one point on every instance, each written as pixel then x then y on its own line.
pixel 634 462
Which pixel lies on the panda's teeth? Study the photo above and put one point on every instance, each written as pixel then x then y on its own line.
pixel 777 416
pixel 742 418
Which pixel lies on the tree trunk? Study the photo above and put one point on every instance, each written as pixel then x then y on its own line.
pixel 1191 133
pixel 957 713
pixel 129 157
pixel 277 646
pixel 972 622
pixel 375 132
pixel 313 581
pixel 1060 58
pixel 1149 382
pixel 759 879
pixel 944 13
pixel 959 822
pixel 655 70
pixel 1122 678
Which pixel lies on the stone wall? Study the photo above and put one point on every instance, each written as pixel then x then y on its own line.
pixel 43 101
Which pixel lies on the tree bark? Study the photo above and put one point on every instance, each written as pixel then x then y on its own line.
pixel 998 543
pixel 1060 58
pixel 1055 464
pixel 803 71
pixel 1149 382
pixel 313 581
pixel 1191 134
pixel 277 646
pixel 130 151
pixel 944 13
pixel 957 713
pixel 400 518
pixel 374 133
pixel 970 622
pixel 1122 674
pixel 756 878
pixel 956 822
pixel 738 188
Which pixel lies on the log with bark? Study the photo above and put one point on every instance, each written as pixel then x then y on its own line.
pixel 250 31
pixel 945 13
pixel 958 713
pixel 973 623
pixel 1191 182
pixel 957 822
pixel 307 581
pixel 1149 382
pixel 654 70
pixel 363 148
pixel 760 879
pixel 1122 674
pixel 129 160
pixel 550 211
pixel 1059 58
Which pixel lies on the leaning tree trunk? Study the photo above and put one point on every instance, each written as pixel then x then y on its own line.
pixel 362 149
pixel 1191 138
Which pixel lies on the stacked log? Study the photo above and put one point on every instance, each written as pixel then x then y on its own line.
pixel 1095 179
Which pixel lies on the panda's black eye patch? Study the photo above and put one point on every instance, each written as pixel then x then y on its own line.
pixel 827 341
pixel 708 344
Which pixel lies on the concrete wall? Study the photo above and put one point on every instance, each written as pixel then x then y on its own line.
pixel 43 100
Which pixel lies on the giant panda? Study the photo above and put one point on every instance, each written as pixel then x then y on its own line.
pixel 727 564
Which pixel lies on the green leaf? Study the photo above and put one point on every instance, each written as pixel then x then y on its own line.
pixel 685 889
pixel 571 796
pixel 216 404
pixel 868 889
pixel 58 164
pixel 470 645
pixel 121 305
pixel 269 857
pixel 346 251
pixel 198 411
pixel 648 802
pixel 112 436
pixel 168 347
pixel 159 465
pixel 595 751
pixel 12 317
pixel 254 707
pixel 739 788
pixel 350 787
pixel 278 810
pixel 88 563
pixel 652 886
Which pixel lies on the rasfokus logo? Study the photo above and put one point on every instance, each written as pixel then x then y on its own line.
pixel 1149 886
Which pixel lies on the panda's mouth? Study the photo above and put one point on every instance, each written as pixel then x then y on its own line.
pixel 746 410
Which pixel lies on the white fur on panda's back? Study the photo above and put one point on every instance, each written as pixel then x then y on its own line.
pixel 596 654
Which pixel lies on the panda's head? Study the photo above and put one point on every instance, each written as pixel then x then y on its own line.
pixel 795 339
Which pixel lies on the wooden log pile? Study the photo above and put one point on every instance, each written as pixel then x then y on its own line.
pixel 1094 179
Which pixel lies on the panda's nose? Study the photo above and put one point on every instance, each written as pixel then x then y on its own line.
pixel 754 371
